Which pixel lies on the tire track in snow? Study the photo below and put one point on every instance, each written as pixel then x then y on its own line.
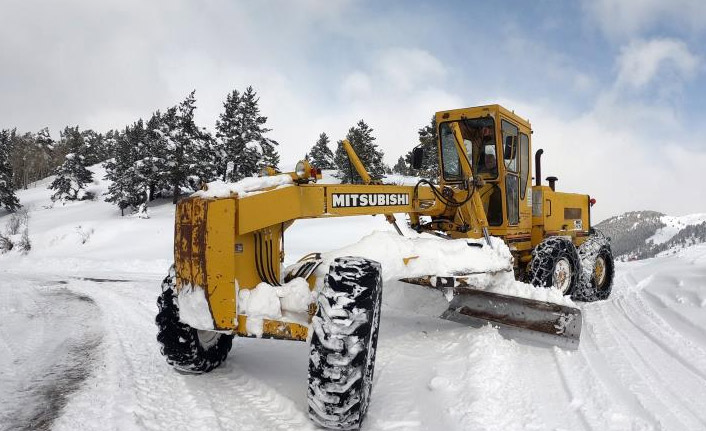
pixel 555 391
pixel 668 341
pixel 574 397
pixel 616 405
pixel 159 397
pixel 681 324
pixel 648 378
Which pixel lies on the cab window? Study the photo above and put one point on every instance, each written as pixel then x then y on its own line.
pixel 451 165
pixel 524 164
pixel 510 133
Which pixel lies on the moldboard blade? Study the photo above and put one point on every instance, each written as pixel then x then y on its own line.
pixel 517 317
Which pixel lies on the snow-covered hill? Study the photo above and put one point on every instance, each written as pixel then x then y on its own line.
pixel 78 348
pixel 644 234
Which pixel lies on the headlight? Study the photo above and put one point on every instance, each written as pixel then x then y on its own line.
pixel 302 169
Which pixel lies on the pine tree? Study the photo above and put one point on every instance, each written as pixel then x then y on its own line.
pixel 96 150
pixel 240 142
pixel 270 157
pixel 45 154
pixel 428 139
pixel 400 167
pixel 72 176
pixel 188 153
pixel 321 155
pixel 8 199
pixel 121 189
pixel 362 140
pixel 152 155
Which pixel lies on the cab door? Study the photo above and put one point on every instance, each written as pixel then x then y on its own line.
pixel 510 135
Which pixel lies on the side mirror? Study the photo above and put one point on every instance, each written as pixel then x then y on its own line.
pixel 417 157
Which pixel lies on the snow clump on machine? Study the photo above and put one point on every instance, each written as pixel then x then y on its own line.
pixel 221 189
pixel 274 302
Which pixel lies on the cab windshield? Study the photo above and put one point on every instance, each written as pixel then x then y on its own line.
pixel 477 136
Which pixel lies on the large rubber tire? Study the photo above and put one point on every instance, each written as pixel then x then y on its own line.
pixel 547 256
pixel 187 349
pixel 343 343
pixel 596 282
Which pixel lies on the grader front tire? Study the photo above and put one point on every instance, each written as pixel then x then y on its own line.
pixel 343 343
pixel 187 349
pixel 555 263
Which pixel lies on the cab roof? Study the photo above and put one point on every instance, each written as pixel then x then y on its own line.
pixel 480 111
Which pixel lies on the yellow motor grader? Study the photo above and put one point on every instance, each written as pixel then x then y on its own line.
pixel 228 252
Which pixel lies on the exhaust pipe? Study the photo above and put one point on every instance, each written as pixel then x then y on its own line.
pixel 538 167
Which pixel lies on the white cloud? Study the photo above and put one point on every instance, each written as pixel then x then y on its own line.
pixel 407 68
pixel 627 18
pixel 356 86
pixel 641 61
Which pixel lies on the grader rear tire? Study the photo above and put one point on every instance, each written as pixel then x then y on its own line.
pixel 598 272
pixel 555 263
pixel 343 343
pixel 187 349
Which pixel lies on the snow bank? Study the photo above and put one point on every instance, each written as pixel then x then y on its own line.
pixel 428 255
pixel 221 189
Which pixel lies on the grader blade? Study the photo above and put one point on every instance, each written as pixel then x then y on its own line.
pixel 515 317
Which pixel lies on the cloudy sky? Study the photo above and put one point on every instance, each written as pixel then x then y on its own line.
pixel 615 89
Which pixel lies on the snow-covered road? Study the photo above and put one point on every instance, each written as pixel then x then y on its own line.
pixel 90 344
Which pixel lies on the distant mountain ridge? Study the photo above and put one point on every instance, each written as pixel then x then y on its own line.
pixel 644 234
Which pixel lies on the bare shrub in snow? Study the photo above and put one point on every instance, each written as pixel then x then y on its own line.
pixel 84 234
pixel 17 220
pixel 5 244
pixel 24 245
pixel 15 225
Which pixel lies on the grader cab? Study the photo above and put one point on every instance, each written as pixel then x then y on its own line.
pixel 228 277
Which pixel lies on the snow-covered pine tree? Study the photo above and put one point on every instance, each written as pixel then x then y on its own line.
pixel 45 153
pixel 8 199
pixel 240 141
pixel 21 149
pixel 188 158
pixel 320 154
pixel 96 151
pixel 362 140
pixel 400 167
pixel 270 157
pixel 72 176
pixel 143 174
pixel 123 190
pixel 430 163
pixel 152 158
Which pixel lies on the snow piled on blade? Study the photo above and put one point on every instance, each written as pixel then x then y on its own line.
pixel 221 189
pixel 490 266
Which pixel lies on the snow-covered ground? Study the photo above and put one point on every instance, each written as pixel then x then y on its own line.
pixel 672 226
pixel 78 348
